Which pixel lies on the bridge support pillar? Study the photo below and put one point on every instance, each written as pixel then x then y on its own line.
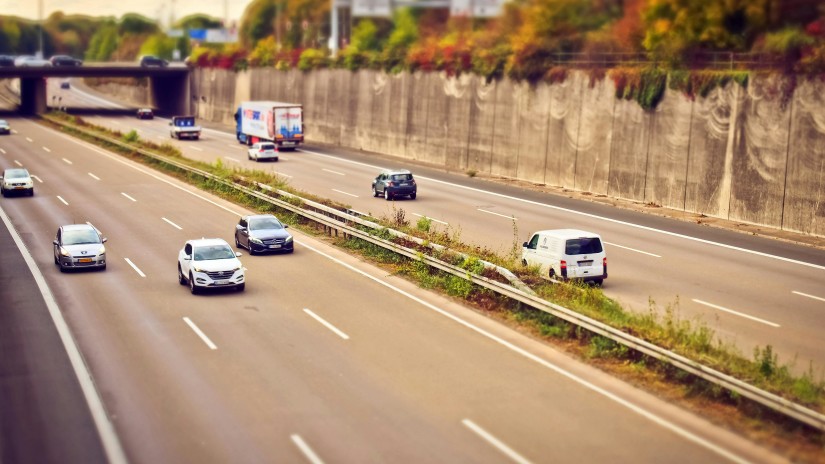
pixel 170 94
pixel 33 95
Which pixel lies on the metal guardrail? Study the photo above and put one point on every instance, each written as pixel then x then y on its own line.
pixel 772 401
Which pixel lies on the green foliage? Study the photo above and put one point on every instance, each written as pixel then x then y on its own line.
pixel 158 45
pixel 402 37
pixel 701 83
pixel 103 43
pixel 133 23
pixel 312 58
pixel 198 21
pixel 131 137
pixel 424 223
pixel 645 86
pixel 789 40
pixel 257 22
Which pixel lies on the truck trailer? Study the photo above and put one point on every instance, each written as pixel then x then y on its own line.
pixel 270 121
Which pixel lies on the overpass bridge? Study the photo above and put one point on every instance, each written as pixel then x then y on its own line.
pixel 168 87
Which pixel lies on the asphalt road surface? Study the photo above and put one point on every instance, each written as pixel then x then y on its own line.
pixel 323 358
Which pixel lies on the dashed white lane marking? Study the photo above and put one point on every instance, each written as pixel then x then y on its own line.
pixel 37 178
pixel 736 313
pixel 234 160
pixel 345 193
pixel 67 161
pixel 200 333
pixel 498 444
pixel 64 201
pixel 94 176
pixel 432 219
pixel 137 269
pixel 237 146
pixel 497 214
pixel 310 455
pixel 196 148
pixel 127 196
pixel 2 151
pixel 283 158
pixel 14 131
pixel 47 149
pixel 172 224
pixel 808 296
pixel 327 324
pixel 18 163
pixel 632 249
pixel 282 174
pixel 28 139
pixel 334 172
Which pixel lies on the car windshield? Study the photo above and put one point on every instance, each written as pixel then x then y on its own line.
pixel 267 146
pixel 264 223
pixel 402 177
pixel 583 246
pixel 16 174
pixel 80 237
pixel 3 122
pixel 206 253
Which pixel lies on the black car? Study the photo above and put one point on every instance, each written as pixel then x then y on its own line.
pixel 262 233
pixel 145 113
pixel 393 183
pixel 147 61
pixel 6 60
pixel 65 60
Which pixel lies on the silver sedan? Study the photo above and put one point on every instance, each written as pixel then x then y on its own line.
pixel 79 246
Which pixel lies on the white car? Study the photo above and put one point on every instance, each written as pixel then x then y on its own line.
pixel 263 151
pixel 567 254
pixel 16 180
pixel 210 263
pixel 28 61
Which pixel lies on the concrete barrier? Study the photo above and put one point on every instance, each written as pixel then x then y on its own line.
pixel 745 154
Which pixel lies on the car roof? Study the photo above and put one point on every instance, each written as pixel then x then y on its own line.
pixel 396 171
pixel 568 233
pixel 207 242
pixel 78 227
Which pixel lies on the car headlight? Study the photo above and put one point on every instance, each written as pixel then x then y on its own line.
pixel 102 250
pixel 289 239
pixel 197 269
pixel 236 269
pixel 64 252
pixel 256 241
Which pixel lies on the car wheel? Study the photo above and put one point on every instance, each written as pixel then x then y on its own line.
pixel 237 242
pixel 387 195
pixel 552 273
pixel 248 156
pixel 524 262
pixel 31 192
pixel 599 282
pixel 102 268
pixel 181 278
pixel 3 192
pixel 276 159
pixel 62 269
pixel 412 196
pixel 251 249
pixel 192 287
pixel 241 287
pixel 374 192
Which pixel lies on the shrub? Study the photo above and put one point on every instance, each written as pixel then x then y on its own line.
pixel 312 58
pixel 131 137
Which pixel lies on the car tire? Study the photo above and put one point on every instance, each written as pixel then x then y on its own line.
pixel 374 192
pixel 248 156
pixel 181 278
pixel 60 266
pixel 192 287
pixel 412 196
pixel 241 287
pixel 237 242
pixel 102 268
pixel 599 282
pixel 387 195
pixel 276 159
pixel 552 273
pixel 524 262
pixel 31 192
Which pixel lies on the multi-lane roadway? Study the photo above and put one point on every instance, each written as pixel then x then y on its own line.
pixel 323 358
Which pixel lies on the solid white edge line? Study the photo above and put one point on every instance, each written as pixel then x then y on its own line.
pixel 172 224
pixel 809 296
pixel 432 219
pixel 632 249
pixel 47 149
pixel 543 362
pixel 38 178
pixel 326 324
pixel 195 148
pixel 140 273
pixel 590 215
pixel 18 163
pixel 282 174
pixel 498 444
pixel 497 214
pixel 94 176
pixel 64 201
pixel 345 193
pixel 308 453
pixel 234 160
pixel 127 196
pixel 334 172
pixel 2 151
pixel 105 429
pixel 736 313
pixel 67 161
pixel 200 334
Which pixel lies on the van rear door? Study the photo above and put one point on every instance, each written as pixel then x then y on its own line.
pixel 585 256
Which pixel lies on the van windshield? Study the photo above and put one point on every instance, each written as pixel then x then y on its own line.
pixel 583 246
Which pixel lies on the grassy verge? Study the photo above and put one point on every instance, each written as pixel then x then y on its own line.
pixel 692 339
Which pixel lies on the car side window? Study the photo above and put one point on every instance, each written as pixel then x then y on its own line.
pixel 533 242
pixel 243 223
pixel 58 236
pixel 187 250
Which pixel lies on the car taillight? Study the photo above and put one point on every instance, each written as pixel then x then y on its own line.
pixel 389 184
pixel 604 262
pixel 413 182
pixel 564 269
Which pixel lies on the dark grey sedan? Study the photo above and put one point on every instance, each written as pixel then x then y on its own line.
pixel 263 233
pixel 79 246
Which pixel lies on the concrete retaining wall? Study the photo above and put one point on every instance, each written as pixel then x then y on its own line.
pixel 738 154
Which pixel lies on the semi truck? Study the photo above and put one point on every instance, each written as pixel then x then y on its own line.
pixel 270 121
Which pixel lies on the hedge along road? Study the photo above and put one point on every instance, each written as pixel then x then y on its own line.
pixel 282 371
pixel 752 290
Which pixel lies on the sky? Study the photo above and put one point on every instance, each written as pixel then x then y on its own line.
pixel 153 9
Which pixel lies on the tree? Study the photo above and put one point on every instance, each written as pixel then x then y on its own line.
pixel 198 21
pixel 158 45
pixel 133 23
pixel 103 43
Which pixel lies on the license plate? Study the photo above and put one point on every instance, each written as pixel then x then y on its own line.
pixel 288 144
pixel 84 260
pixel 20 188
pixel 274 246
pixel 404 184
pixel 585 263
pixel 222 282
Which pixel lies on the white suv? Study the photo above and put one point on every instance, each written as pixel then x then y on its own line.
pixel 210 263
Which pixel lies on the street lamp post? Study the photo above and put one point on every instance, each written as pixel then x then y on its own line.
pixel 40 13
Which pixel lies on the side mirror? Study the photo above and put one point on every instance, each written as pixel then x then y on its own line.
pixel 524 244
pixel 238 254
pixel 286 226
pixel 187 258
pixel 170 123
pixel 104 240
pixel 55 242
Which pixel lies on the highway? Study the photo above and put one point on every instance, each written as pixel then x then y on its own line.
pixel 322 359
pixel 752 291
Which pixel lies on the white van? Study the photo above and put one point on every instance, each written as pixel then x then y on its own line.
pixel 567 254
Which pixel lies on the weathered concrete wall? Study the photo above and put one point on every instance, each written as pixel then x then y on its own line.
pixel 740 153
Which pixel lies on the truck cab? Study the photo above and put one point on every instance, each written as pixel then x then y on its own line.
pixel 184 127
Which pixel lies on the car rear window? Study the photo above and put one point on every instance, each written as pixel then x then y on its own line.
pixel 267 146
pixel 583 246
pixel 402 177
